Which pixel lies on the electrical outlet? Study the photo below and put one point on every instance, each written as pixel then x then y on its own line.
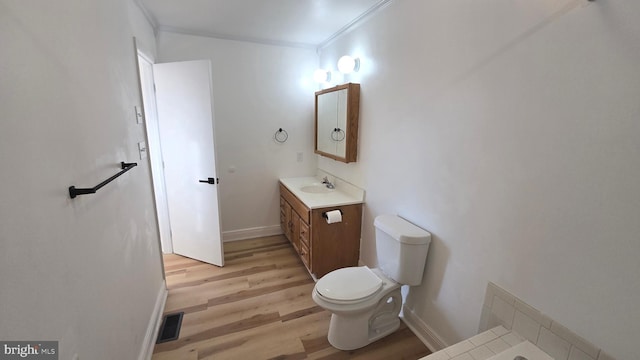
pixel 299 157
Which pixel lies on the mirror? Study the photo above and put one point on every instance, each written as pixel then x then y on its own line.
pixel 337 111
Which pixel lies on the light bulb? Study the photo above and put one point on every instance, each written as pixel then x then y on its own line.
pixel 322 76
pixel 347 64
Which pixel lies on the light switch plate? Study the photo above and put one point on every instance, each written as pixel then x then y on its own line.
pixel 138 113
pixel 142 149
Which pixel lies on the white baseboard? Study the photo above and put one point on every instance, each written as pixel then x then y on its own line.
pixel 154 324
pixel 422 330
pixel 251 233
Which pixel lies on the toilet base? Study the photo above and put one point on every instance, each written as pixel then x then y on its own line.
pixel 355 331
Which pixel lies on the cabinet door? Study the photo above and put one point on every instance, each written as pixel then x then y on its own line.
pixel 338 137
pixel 327 114
pixel 336 245
pixel 336 122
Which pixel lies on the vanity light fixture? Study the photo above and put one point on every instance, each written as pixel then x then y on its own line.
pixel 348 64
pixel 322 76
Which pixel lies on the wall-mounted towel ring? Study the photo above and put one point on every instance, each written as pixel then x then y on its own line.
pixel 338 134
pixel 281 135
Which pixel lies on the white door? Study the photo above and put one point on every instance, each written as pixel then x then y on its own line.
pixel 155 155
pixel 185 116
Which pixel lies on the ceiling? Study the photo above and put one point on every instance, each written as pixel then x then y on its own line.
pixel 299 23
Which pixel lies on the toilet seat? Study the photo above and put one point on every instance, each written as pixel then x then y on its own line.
pixel 348 285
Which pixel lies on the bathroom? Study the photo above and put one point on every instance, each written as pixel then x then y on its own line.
pixel 508 130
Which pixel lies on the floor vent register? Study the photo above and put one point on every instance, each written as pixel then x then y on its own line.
pixel 170 328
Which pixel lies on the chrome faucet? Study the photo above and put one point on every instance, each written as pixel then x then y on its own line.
pixel 328 183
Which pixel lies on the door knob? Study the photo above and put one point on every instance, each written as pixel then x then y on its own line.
pixel 211 181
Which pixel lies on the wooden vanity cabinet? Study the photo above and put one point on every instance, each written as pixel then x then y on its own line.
pixel 322 247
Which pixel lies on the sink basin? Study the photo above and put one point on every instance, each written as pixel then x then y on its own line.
pixel 316 189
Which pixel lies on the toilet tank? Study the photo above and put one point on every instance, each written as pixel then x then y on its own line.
pixel 402 249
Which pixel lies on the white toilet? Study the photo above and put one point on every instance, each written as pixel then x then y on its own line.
pixel 365 303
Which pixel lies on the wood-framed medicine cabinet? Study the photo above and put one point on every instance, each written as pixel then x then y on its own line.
pixel 336 122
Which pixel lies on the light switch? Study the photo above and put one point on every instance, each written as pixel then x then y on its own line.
pixel 138 113
pixel 299 157
pixel 142 149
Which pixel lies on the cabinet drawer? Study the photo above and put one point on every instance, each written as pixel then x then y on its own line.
pixel 285 218
pixel 296 204
pixel 304 233
pixel 305 255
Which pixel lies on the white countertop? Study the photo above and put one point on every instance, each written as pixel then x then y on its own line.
pixel 343 194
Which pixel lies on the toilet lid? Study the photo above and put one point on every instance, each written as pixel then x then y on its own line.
pixel 350 283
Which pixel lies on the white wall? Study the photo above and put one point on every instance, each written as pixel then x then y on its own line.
pixel 257 89
pixel 85 272
pixel 509 129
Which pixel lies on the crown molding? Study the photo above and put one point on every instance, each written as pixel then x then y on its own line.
pixel 355 22
pixel 147 14
pixel 261 41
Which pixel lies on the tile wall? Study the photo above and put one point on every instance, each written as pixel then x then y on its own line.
pixel 502 308
pixel 480 347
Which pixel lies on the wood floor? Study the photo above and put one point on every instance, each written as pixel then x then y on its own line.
pixel 258 306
